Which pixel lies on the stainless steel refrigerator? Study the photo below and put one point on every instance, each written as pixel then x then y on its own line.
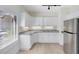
pixel 71 36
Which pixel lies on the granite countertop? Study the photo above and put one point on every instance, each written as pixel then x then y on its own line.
pixel 27 30
pixel 37 31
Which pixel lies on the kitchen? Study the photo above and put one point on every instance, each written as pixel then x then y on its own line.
pixel 37 25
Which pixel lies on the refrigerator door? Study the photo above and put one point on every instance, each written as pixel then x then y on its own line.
pixel 69 43
pixel 70 25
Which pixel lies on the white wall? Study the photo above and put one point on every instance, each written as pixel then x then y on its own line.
pixel 72 15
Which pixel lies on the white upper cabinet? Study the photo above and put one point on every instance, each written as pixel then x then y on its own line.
pixel 25 20
pixel 52 21
pixel 37 21
pixel 44 21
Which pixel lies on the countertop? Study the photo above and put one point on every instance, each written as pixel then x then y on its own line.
pixel 32 31
pixel 38 31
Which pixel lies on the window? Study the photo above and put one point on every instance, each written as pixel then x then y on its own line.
pixel 7 30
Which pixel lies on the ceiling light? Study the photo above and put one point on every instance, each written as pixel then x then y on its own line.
pixel 50 6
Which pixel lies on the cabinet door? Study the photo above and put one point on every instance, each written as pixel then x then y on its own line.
pixel 50 21
pixel 48 37
pixel 34 38
pixel 37 21
pixel 25 41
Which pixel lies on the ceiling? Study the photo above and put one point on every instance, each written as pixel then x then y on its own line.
pixel 39 10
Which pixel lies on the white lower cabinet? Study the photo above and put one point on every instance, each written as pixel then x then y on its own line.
pixel 25 41
pixel 48 37
pixel 34 38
